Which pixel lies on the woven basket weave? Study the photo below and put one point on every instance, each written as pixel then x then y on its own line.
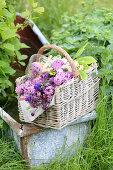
pixel 73 99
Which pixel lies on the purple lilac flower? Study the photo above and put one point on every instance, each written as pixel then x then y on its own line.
pixel 45 75
pixel 37 86
pixel 29 87
pixel 20 89
pixel 38 69
pixel 51 81
pixel 46 99
pixel 38 94
pixel 57 64
pixel 38 79
pixel 28 99
pixel 68 76
pixel 49 90
pixel 34 101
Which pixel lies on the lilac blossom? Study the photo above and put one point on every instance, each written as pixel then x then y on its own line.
pixel 29 87
pixel 59 78
pixel 35 69
pixel 37 87
pixel 49 90
pixel 20 89
pixel 57 64
pixel 68 76
pixel 37 79
pixel 45 75
pixel 39 91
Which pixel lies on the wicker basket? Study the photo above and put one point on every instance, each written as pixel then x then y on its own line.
pixel 72 99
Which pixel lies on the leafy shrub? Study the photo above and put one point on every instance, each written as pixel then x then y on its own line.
pixel 9 46
pixel 95 27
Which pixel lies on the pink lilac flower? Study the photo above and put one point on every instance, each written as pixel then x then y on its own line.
pixel 68 76
pixel 62 77
pixel 29 88
pixel 59 78
pixel 20 89
pixel 57 64
pixel 35 69
pixel 38 79
pixel 38 94
pixel 49 90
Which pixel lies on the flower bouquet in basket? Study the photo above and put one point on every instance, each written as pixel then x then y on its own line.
pixel 57 90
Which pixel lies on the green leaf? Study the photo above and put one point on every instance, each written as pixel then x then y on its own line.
pixel 8 83
pixel 2 4
pixel 1 123
pixel 25 14
pixel 52 73
pixel 39 10
pixel 85 66
pixel 3 63
pixel 9 70
pixel 22 45
pixel 30 2
pixel 35 4
pixel 83 74
pixel 80 51
pixel 22 63
pixel 22 57
pixel 86 60
pixel 7 46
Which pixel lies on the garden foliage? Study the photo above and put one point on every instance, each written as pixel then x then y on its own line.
pixel 95 27
pixel 9 45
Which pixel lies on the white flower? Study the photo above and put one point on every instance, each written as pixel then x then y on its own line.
pixel 58 57
pixel 76 63
pixel 67 67
pixel 59 70
pixel 81 67
pixel 64 60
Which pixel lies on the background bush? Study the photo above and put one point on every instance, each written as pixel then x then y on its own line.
pixel 96 27
pixel 9 48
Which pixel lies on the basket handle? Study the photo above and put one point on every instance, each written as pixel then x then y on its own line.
pixel 74 69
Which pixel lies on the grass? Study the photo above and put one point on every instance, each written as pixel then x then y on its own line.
pixel 10 158
pixel 97 151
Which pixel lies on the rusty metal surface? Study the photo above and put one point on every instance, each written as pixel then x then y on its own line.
pixel 23 144
pixel 21 130
pixel 11 122
pixel 29 129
